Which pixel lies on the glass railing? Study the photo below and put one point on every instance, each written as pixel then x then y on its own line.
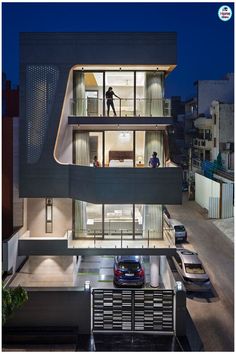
pixel 124 107
pixel 120 238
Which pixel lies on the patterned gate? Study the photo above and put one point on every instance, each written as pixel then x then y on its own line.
pixel 133 310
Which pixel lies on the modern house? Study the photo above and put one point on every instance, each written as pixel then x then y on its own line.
pixel 64 124
pixel 72 208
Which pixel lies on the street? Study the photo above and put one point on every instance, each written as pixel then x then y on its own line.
pixel 214 315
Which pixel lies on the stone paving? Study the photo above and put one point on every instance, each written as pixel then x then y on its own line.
pixel 226 226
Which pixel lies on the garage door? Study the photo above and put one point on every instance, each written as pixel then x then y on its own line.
pixel 133 310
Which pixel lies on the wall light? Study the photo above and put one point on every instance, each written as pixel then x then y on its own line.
pixel 49 215
pixel 87 285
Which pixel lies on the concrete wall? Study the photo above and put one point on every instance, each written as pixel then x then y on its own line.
pixel 166 274
pixel 10 258
pixel 209 90
pixel 54 307
pixel 226 125
pixel 62 216
pixel 205 189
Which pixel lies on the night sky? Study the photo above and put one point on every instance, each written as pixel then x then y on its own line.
pixel 205 43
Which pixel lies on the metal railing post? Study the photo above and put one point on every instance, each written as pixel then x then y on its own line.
pixel 94 238
pixel 148 238
pixel 121 238
pixel 120 107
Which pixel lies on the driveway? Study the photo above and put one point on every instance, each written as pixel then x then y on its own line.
pixel 213 316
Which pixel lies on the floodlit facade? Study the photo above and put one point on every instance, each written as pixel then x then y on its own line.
pixel 73 207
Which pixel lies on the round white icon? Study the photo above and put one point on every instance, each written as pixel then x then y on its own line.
pixel 225 13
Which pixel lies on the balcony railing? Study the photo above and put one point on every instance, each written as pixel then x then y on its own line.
pixel 121 238
pixel 124 107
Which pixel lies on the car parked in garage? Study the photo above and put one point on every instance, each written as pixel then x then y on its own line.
pixel 191 270
pixel 128 271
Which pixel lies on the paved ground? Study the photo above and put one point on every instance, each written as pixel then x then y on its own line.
pixel 47 271
pixel 213 315
pixel 226 226
pixel 99 270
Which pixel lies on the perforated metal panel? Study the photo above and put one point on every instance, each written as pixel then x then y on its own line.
pixel 133 310
pixel 41 83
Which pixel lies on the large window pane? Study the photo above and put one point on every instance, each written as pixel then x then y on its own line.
pixel 148 221
pixel 88 93
pixel 87 146
pixel 87 219
pixel 118 219
pixel 149 93
pixel 119 148
pixel 122 83
pixel 146 143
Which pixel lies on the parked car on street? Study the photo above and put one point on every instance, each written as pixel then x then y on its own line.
pixel 177 229
pixel 191 270
pixel 128 271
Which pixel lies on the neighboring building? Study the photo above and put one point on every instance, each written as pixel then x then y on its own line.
pixel 12 205
pixel 176 131
pixel 216 135
pixel 189 117
pixel 210 90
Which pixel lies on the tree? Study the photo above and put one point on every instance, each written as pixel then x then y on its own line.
pixel 12 299
pixel 219 161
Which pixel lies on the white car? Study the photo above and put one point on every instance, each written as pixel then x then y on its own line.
pixel 191 270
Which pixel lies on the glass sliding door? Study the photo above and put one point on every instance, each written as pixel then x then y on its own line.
pixel 146 142
pixel 87 145
pixel 119 149
pixel 88 93
pixel 118 219
pixel 148 221
pixel 88 220
pixel 122 83
pixel 150 94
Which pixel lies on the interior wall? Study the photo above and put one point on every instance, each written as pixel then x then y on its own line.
pixel 115 142
pixel 62 217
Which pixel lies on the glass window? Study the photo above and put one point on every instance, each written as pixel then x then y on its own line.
pixel 88 93
pixel 179 228
pixel 87 219
pixel 119 149
pixel 118 219
pixel 194 269
pixel 149 94
pixel 146 143
pixel 148 221
pixel 122 83
pixel 87 146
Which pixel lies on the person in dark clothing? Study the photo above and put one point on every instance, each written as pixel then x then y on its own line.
pixel 95 162
pixel 109 96
pixel 154 160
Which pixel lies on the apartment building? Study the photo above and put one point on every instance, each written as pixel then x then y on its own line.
pixel 64 124
pixel 72 206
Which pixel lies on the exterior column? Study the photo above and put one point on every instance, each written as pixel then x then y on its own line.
pixel 154 271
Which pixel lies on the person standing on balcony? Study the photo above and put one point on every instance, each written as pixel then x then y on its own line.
pixel 95 162
pixel 154 160
pixel 110 103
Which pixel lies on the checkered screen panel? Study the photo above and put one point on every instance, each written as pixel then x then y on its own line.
pixel 41 84
pixel 133 310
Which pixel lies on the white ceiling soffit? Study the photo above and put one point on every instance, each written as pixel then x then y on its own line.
pixel 123 67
